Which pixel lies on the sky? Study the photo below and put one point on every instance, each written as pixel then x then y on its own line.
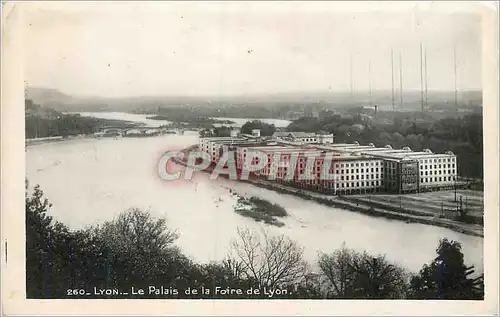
pixel 117 49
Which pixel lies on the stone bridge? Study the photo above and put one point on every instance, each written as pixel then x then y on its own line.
pixel 141 131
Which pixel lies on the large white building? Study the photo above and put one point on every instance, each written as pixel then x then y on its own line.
pixel 214 145
pixel 406 170
pixel 354 168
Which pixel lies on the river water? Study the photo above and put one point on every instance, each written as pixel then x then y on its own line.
pixel 92 180
pixel 239 122
pixel 140 118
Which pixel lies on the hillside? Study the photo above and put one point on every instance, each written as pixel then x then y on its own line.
pixel 62 102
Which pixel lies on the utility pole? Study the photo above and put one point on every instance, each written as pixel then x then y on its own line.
pixel 401 80
pixel 425 76
pixel 455 188
pixel 351 78
pixel 370 81
pixel 455 75
pixel 392 76
pixel 421 80
pixel 461 206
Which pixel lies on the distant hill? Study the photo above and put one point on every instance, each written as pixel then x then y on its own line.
pixel 55 99
pixel 44 96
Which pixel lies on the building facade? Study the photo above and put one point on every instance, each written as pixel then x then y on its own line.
pixel 340 168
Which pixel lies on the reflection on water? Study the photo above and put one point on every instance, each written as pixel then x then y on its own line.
pixel 143 118
pixel 92 180
pixel 239 122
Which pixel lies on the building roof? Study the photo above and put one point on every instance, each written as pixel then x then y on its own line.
pixel 355 158
pixel 288 149
pixel 293 134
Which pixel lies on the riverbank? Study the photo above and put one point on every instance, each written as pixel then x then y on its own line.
pixel 36 141
pixel 353 204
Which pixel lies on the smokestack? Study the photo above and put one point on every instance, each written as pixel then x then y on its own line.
pixel 392 76
pixel 421 80
pixel 401 80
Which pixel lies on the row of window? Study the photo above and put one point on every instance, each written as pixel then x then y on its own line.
pixel 369 176
pixel 357 170
pixel 439 160
pixel 378 163
pixel 359 184
pixel 436 166
pixel 308 139
pixel 437 179
pixel 438 172
pixel 346 185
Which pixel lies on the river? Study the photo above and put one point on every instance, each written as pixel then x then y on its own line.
pixel 140 118
pixel 239 122
pixel 92 180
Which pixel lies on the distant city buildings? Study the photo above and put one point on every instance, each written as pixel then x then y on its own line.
pixel 338 168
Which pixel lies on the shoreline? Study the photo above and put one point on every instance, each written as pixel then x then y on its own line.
pixel 341 202
pixel 346 203
pixel 30 142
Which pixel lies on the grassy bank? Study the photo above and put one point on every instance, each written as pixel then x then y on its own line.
pixel 260 210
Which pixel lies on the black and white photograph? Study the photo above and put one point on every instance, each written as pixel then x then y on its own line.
pixel 267 151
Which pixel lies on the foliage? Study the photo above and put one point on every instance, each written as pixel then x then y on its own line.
pixel 268 207
pixel 137 250
pixel 271 261
pixel 304 124
pixel 222 131
pixel 350 274
pixel 261 210
pixel 132 250
pixel 463 135
pixel 447 276
pixel 265 128
pixel 43 122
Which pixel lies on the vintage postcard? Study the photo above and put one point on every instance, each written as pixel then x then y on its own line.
pixel 245 158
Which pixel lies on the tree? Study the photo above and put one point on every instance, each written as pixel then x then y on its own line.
pixel 222 131
pixel 447 276
pixel 270 261
pixel 227 273
pixel 337 268
pixel 47 246
pixel 351 274
pixel 305 124
pixel 135 249
pixel 265 129
pixel 376 278
pixel 135 236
